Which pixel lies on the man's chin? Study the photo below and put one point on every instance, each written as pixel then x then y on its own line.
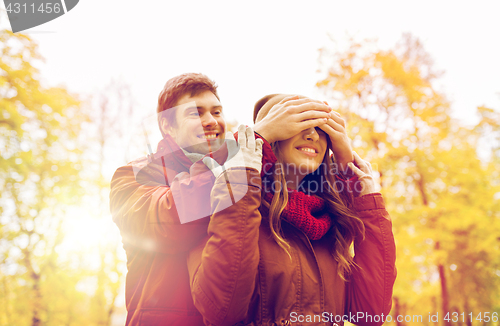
pixel 205 147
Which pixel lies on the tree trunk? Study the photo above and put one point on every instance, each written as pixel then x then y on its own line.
pixel 37 294
pixel 421 188
pixel 466 310
pixel 397 311
pixel 35 320
pixel 445 303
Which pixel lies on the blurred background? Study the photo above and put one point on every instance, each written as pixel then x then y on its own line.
pixel 417 82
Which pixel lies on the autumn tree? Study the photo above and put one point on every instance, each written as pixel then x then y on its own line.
pixel 440 193
pixel 113 117
pixel 54 146
pixel 39 169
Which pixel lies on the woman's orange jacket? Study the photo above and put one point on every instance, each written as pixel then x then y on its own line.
pixel 239 274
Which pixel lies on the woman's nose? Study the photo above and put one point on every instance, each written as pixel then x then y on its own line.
pixel 311 134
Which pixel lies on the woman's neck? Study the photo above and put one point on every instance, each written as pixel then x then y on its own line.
pixel 293 180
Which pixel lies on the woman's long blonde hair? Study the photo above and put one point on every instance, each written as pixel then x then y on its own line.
pixel 346 225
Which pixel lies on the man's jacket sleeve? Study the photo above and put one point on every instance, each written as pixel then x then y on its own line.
pixel 147 214
pixel 369 290
pixel 223 267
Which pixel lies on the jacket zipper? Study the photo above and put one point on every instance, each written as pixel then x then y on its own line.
pixel 311 248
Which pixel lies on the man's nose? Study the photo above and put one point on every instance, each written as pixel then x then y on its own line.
pixel 208 121
pixel 311 134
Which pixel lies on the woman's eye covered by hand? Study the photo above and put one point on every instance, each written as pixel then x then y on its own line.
pixel 320 131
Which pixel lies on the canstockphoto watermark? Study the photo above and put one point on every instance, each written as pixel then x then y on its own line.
pixel 325 177
pixel 359 317
pixel 190 189
pixel 24 14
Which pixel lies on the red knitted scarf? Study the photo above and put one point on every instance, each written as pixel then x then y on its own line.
pixel 307 213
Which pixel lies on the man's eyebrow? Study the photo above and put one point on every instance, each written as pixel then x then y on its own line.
pixel 213 107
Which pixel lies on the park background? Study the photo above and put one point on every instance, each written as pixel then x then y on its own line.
pixel 417 82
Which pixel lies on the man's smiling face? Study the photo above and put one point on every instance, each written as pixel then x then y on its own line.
pixel 200 125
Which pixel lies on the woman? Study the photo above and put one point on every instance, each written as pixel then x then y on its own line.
pixel 280 255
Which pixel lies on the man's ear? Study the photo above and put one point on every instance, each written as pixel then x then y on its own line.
pixel 166 128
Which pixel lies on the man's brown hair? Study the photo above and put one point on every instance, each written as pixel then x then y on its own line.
pixel 190 83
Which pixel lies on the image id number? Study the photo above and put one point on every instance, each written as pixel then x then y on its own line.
pixel 46 8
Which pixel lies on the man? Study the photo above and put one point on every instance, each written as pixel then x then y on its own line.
pixel 162 203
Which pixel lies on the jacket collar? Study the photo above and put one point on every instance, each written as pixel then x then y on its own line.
pixel 172 155
pixel 169 160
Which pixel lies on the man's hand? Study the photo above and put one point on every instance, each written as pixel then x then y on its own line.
pixel 290 116
pixel 341 144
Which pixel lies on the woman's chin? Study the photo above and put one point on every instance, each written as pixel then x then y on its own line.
pixel 301 168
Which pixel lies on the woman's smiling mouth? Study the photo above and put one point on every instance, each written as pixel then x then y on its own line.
pixel 307 150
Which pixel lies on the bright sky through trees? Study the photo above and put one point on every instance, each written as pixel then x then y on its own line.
pixel 259 47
